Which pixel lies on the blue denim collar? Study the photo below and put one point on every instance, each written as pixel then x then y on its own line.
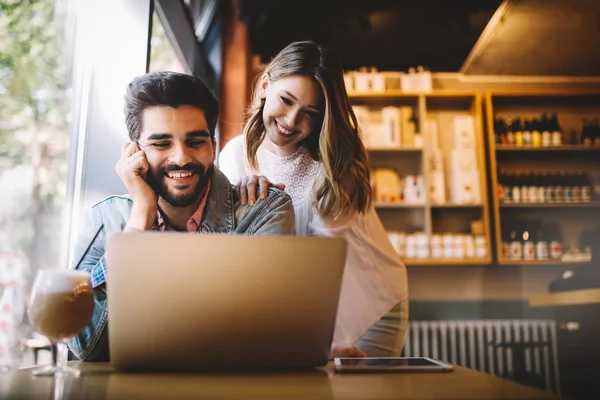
pixel 218 214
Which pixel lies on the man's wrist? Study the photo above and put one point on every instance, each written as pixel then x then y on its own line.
pixel 140 219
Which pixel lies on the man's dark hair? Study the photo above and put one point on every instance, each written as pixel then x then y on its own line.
pixel 167 89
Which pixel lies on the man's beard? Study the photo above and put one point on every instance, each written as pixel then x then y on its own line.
pixel 157 181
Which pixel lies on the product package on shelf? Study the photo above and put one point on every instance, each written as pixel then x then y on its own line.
pixel 392 122
pixel 408 127
pixel 387 127
pixel 363 119
pixel 414 190
pixel 367 80
pixel 389 187
pixel 465 185
pixel 437 182
pixel 417 246
pixel 417 80
pixel 441 246
pixel 370 80
pixel 464 132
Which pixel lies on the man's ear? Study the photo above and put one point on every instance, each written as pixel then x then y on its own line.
pixel 263 85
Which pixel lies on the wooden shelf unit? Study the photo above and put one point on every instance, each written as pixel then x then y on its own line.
pixel 381 204
pixel 571 106
pixel 415 262
pixel 541 262
pixel 394 150
pixel 505 148
pixel 439 105
pixel 592 204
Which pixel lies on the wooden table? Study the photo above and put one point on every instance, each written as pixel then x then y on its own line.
pixel 98 381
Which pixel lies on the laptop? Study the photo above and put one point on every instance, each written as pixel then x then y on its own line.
pixel 181 302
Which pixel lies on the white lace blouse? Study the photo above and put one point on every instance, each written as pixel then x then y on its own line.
pixel 374 277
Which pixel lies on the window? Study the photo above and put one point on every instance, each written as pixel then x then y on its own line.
pixel 34 138
pixel 162 55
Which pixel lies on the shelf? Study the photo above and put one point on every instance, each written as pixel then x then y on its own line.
pixel 540 262
pixel 456 205
pixel 394 149
pixel 555 93
pixel 445 261
pixel 592 204
pixel 451 100
pixel 548 149
pixel 397 94
pixel 396 205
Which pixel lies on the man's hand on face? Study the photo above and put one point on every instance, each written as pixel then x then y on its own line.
pixel 133 168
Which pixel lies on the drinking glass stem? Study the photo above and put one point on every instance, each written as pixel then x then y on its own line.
pixel 58 355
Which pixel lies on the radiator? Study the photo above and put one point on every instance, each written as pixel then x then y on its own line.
pixel 466 343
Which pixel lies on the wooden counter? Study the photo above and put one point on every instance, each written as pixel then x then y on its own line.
pixel 98 381
pixel 567 298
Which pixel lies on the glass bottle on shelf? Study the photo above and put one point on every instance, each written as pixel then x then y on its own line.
pixel 586 191
pixel 555 241
pixel 541 244
pixel 532 190
pixel 507 188
pixel 506 243
pixel 576 187
pixel 541 187
pixel 586 137
pixel 525 188
pixel 546 130
pixel 556 130
pixel 500 131
pixel 559 188
pixel 503 132
pixel 596 132
pixel 518 131
pixel 528 245
pixel 501 186
pixel 537 129
pixel 516 246
pixel 527 128
pixel 536 132
pixel 568 187
pixel 549 195
pixel 510 136
pixel 497 131
pixel 516 188
pixel 571 138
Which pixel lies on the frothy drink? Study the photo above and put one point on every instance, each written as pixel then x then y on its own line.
pixel 62 305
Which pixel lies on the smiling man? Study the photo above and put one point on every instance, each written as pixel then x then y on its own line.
pixel 167 168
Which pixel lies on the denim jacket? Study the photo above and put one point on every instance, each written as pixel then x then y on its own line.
pixel 223 213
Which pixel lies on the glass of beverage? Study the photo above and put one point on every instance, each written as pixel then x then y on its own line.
pixel 60 306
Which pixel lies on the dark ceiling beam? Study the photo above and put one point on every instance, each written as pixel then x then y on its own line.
pixel 175 17
pixel 207 17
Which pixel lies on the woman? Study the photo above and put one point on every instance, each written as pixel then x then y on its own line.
pixel 301 132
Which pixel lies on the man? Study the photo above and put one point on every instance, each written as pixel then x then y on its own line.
pixel 167 168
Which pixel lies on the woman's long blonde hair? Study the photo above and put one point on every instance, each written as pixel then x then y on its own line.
pixel 344 187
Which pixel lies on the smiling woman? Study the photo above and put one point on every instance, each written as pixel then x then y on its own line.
pixel 302 132
pixel 289 118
